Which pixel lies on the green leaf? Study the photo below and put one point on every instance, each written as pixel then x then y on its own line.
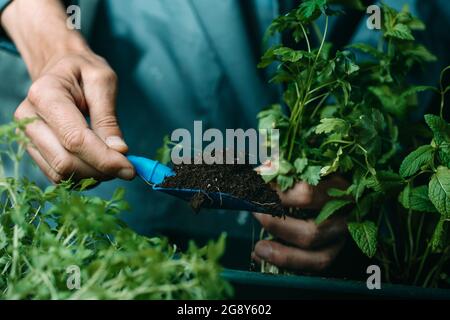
pixel 367 48
pixel 420 53
pixel 365 236
pixel 439 235
pixel 272 118
pixel 286 54
pixel 439 191
pixel 416 160
pixel 285 182
pixel 330 208
pixel 444 153
pixel 345 61
pixel 338 193
pixel 285 167
pixel 300 165
pixel 332 125
pixel 87 183
pixel 310 10
pixel 440 128
pixel 400 31
pixel 311 175
pixel 416 199
pixel 384 181
pixel 416 89
pixel 163 153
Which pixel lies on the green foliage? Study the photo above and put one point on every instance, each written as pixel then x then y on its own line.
pixel 45 233
pixel 365 236
pixel 330 208
pixel 439 191
pixel 416 160
pixel 344 116
pixel 163 153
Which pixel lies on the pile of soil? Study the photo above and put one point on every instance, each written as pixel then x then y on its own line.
pixel 239 180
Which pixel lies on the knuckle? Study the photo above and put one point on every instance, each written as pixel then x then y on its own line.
pixel 104 76
pixel 311 236
pixel 38 90
pixel 73 140
pixel 107 121
pixel 19 113
pixel 63 166
pixel 106 166
pixel 306 195
pixel 324 262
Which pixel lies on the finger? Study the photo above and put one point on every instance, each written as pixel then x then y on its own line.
pixel 304 234
pixel 59 112
pixel 297 259
pixel 64 164
pixel 305 196
pixel 43 165
pixel 100 90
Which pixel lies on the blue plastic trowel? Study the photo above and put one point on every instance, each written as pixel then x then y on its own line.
pixel 154 173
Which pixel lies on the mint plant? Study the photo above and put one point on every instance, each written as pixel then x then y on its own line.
pixel 340 116
pixel 44 233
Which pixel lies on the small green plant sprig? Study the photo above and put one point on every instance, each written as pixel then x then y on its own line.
pixel 45 232
pixel 340 116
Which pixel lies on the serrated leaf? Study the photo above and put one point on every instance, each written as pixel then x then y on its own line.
pixel 439 235
pixel 416 160
pixel 330 208
pixel 345 62
pixel 440 128
pixel 286 54
pixel 285 167
pixel 416 199
pixel 444 154
pixel 328 125
pixel 400 31
pixel 311 9
pixel 365 236
pixel 384 181
pixel 368 49
pixel 311 175
pixel 300 165
pixel 285 182
pixel 439 191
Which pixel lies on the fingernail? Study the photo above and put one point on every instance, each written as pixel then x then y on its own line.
pixel 263 250
pixel 126 174
pixel 115 142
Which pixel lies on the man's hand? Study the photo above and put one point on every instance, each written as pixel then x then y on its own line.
pixel 303 245
pixel 70 83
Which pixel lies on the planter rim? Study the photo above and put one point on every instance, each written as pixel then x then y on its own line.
pixel 333 285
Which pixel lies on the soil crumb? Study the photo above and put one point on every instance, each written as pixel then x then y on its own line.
pixel 239 180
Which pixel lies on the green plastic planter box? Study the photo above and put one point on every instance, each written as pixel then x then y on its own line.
pixel 255 285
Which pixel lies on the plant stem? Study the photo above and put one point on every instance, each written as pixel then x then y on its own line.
pixel 422 263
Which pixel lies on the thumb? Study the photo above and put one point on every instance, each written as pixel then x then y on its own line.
pixel 100 93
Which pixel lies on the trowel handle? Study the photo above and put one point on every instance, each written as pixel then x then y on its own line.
pixel 150 170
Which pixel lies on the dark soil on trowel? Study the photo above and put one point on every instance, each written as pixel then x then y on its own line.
pixel 239 180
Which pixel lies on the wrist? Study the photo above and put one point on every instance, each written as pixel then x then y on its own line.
pixel 39 30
